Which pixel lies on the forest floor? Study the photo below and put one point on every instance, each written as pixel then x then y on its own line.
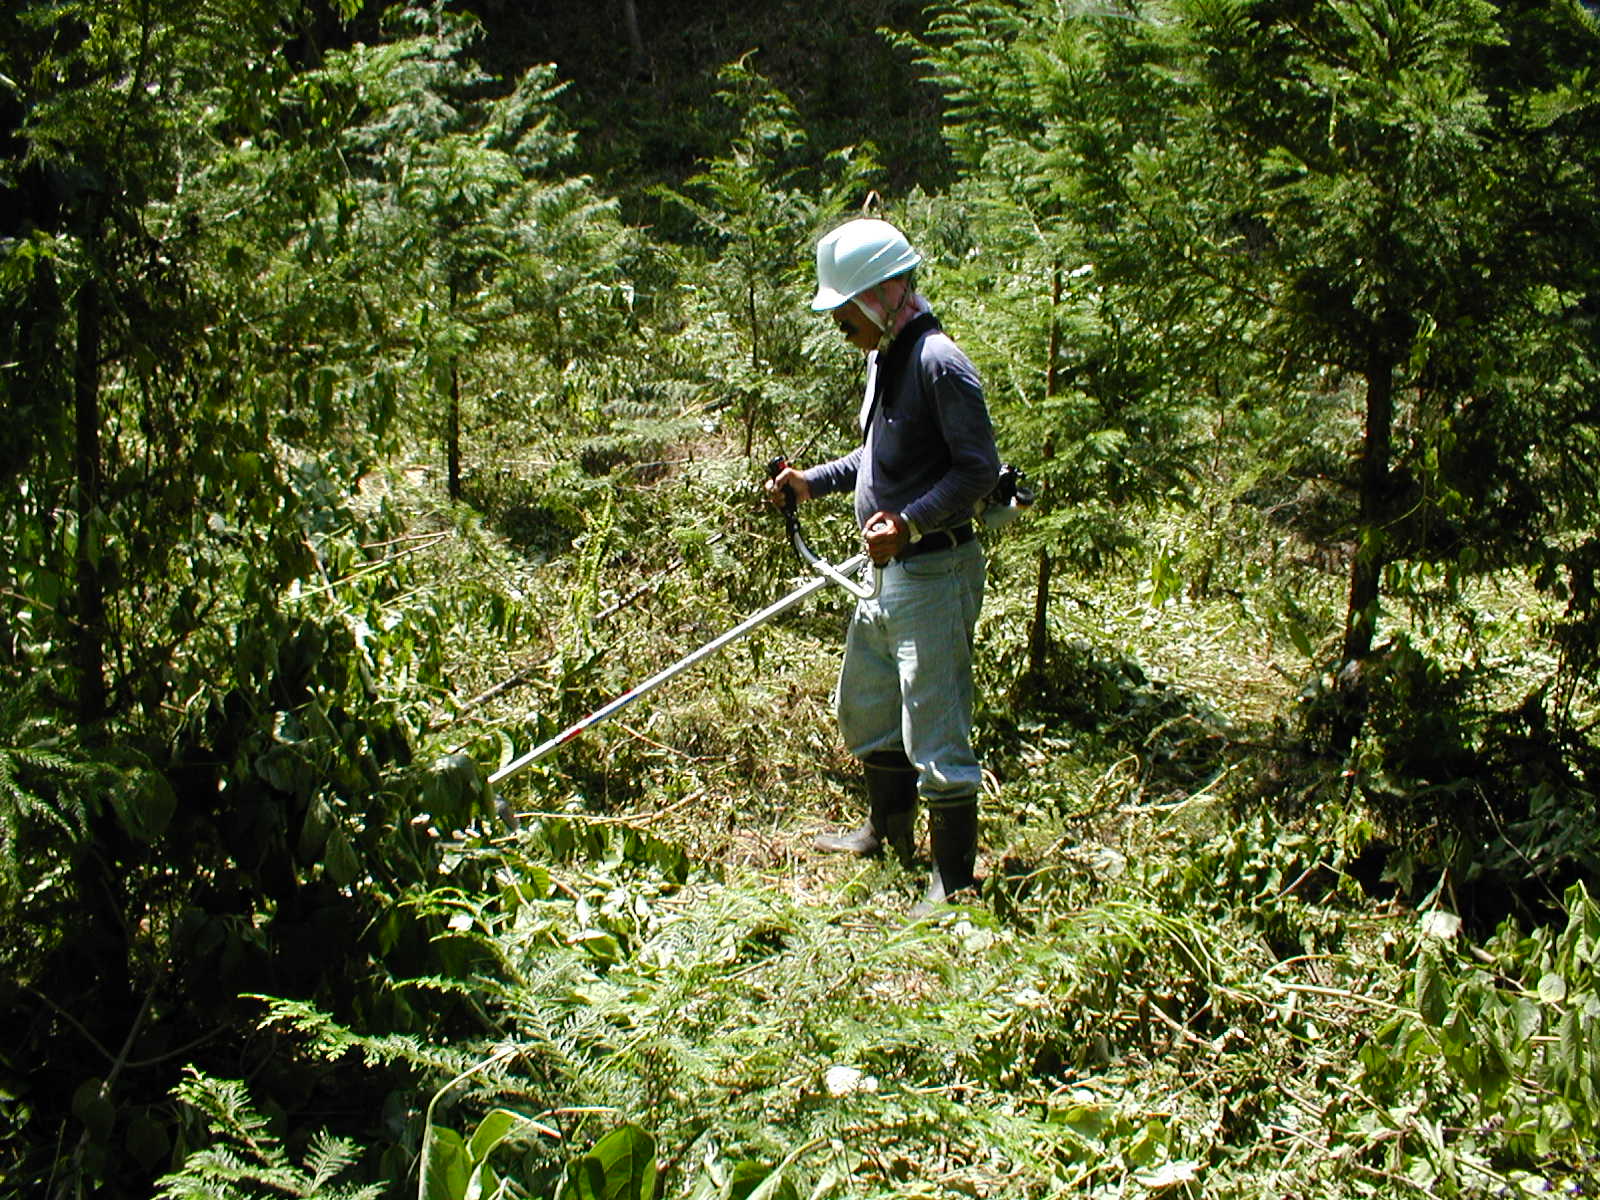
pixel 738 757
pixel 1161 981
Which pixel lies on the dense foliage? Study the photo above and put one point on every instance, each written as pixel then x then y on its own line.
pixel 383 397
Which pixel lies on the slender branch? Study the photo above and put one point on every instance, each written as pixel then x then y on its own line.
pixel 369 568
pixel 631 821
pixel 1311 989
pixel 74 1022
pixel 117 1066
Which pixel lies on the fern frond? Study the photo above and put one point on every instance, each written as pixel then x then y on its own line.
pixel 246 1161
pixel 41 783
pixel 327 1157
pixel 331 1041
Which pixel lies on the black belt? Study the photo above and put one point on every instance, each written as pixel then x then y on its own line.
pixel 939 539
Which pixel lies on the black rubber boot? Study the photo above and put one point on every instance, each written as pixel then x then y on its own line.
pixel 953 831
pixel 891 811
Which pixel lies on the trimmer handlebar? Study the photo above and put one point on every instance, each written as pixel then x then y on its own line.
pixel 774 469
pixel 861 591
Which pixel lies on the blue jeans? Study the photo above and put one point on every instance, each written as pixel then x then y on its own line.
pixel 906 681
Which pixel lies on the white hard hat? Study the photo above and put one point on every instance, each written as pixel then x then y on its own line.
pixel 856 256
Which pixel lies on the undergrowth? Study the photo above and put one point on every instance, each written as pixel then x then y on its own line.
pixel 1218 1014
pixel 1163 989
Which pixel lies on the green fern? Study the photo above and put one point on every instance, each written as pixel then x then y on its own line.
pixel 328 1040
pixel 40 784
pixel 245 1160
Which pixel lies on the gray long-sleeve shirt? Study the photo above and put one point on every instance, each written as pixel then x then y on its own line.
pixel 929 450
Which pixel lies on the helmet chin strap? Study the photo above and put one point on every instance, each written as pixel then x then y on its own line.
pixel 871 309
pixel 890 325
pixel 874 312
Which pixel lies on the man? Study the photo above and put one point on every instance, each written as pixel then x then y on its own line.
pixel 904 699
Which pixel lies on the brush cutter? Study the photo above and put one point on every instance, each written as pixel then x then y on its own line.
pixel 1009 499
pixel 825 573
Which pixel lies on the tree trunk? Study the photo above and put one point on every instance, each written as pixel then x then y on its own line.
pixel 452 434
pixel 752 398
pixel 90 629
pixel 755 323
pixel 630 18
pixel 1039 632
pixel 1052 369
pixel 1367 563
pixel 452 419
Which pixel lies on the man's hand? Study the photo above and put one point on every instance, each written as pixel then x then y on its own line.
pixel 788 480
pixel 885 535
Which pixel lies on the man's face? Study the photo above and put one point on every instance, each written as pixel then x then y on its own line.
pixel 856 326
